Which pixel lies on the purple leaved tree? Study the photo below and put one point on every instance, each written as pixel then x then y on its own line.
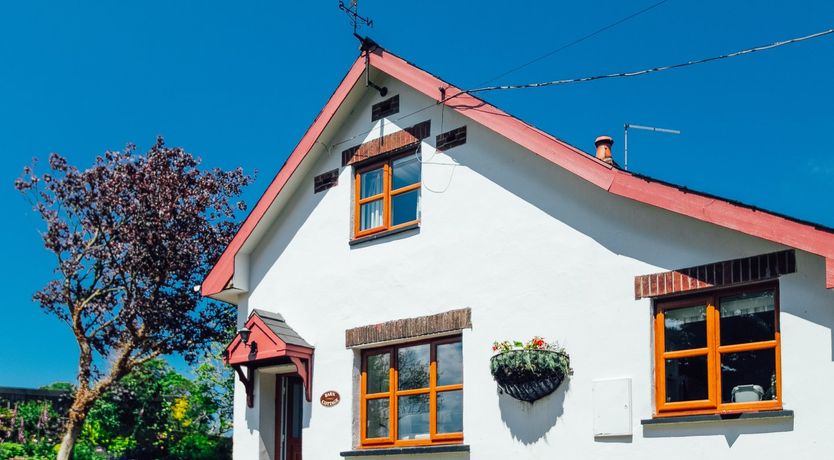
pixel 132 236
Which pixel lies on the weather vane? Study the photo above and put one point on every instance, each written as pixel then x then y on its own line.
pixel 355 18
pixel 367 45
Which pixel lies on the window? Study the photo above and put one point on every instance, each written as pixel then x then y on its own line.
pixel 387 195
pixel 412 394
pixel 718 352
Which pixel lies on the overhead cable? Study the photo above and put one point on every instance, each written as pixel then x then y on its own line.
pixel 577 41
pixel 644 71
pixel 597 77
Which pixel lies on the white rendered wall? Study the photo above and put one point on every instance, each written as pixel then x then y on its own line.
pixel 532 250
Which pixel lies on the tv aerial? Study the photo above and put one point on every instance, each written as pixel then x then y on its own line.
pixel 644 128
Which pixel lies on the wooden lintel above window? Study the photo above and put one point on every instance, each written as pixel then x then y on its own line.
pixel 450 321
pixel 390 143
pixel 719 274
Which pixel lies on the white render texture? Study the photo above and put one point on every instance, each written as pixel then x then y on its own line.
pixel 532 250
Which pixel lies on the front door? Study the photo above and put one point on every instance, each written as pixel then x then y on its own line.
pixel 288 417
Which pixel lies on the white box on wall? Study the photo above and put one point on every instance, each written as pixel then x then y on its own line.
pixel 612 407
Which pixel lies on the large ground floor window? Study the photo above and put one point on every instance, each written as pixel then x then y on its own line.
pixel 718 352
pixel 412 394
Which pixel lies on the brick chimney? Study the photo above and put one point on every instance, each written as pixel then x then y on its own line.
pixel 604 144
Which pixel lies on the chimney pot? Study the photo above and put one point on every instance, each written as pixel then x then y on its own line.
pixel 604 144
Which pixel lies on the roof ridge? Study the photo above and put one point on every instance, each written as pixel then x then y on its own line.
pixel 267 314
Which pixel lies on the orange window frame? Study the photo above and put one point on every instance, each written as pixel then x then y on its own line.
pixel 386 196
pixel 394 393
pixel 713 404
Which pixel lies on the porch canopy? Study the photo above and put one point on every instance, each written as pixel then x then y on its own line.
pixel 271 345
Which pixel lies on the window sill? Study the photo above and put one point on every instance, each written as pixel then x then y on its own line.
pixel 416 450
pixel 763 415
pixel 376 236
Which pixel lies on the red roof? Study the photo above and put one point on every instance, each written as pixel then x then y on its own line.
pixel 725 213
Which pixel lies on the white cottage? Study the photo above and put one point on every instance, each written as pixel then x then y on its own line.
pixel 413 226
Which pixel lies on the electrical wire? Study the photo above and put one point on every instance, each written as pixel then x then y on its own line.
pixel 576 41
pixel 644 71
pixel 592 78
pixel 443 101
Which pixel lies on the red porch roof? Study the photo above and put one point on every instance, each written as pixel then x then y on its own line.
pixel 271 341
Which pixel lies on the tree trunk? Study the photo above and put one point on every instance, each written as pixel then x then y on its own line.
pixel 75 421
pixel 68 441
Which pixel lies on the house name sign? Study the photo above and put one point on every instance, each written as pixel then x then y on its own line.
pixel 330 398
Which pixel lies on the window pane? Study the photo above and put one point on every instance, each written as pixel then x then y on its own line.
pixel 378 366
pixel 748 376
pixel 413 367
pixel 450 411
pixel 376 425
pixel 685 328
pixel 413 417
pixel 404 207
pixel 371 215
pixel 449 364
pixel 406 172
pixel 686 379
pixel 748 318
pixel 371 183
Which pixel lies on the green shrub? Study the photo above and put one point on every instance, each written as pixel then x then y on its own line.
pixel 198 446
pixel 86 451
pixel 11 450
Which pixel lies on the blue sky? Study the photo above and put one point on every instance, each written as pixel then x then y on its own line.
pixel 238 83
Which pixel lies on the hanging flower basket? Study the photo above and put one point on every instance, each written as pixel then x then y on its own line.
pixel 531 371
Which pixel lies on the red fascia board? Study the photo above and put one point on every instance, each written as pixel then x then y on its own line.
pixel 829 272
pixel 753 222
pixel 221 274
pixel 716 211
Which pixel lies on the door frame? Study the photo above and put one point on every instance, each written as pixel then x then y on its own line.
pixel 283 423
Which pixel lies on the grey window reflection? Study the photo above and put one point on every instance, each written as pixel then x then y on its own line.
pixel 686 379
pixel 406 171
pixel 371 183
pixel 685 328
pixel 413 367
pixel 377 370
pixel 449 363
pixel 297 407
pixel 404 207
pixel 413 417
pixel 748 318
pixel 450 411
pixel 748 376
pixel 376 425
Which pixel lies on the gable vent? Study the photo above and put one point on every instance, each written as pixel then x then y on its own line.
pixel 385 108
pixel 326 180
pixel 451 138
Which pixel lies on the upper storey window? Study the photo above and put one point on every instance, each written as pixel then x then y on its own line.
pixel 387 195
